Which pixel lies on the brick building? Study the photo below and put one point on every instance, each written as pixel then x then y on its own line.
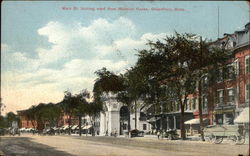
pixel 223 100
pixel 231 92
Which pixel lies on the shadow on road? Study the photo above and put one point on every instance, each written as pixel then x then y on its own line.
pixel 23 146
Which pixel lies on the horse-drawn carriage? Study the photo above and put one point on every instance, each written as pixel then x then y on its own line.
pixel 216 133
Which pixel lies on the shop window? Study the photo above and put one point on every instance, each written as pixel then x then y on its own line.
pixel 247 92
pixel 247 64
pixel 144 126
pixel 231 95
pixel 219 119
pixel 229 118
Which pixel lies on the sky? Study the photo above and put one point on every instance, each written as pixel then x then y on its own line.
pixel 47 49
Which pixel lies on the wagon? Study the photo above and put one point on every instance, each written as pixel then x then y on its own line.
pixel 217 133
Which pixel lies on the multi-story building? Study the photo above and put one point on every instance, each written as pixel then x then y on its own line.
pixel 230 94
pixel 222 100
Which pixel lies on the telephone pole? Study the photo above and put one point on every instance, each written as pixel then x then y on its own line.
pixel 200 92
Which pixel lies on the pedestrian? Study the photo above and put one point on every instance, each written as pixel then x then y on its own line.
pixel 158 134
pixel 115 132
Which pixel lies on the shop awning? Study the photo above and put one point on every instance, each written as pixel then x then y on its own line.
pixel 74 127
pixel 65 127
pixel 193 121
pixel 87 127
pixel 243 117
pixel 153 119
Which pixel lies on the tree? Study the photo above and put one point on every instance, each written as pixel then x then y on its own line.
pixel 3 123
pixel 75 105
pixel 94 109
pixel 82 108
pixel 30 114
pixel 135 88
pixel 176 62
pixel 10 116
pixel 106 84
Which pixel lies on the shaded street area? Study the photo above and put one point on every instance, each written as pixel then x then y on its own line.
pixel 24 146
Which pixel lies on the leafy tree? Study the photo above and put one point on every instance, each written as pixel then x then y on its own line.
pixel 30 114
pixel 135 89
pixel 75 105
pixel 10 117
pixel 175 62
pixel 106 83
pixel 3 123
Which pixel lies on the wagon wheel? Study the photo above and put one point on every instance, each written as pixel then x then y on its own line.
pixel 211 138
pixel 233 139
pixel 218 140
pixel 240 140
pixel 170 137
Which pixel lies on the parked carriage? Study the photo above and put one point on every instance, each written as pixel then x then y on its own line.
pixel 217 133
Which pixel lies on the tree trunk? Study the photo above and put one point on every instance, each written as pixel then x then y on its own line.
pixel 80 125
pixel 135 115
pixel 183 131
pixel 129 127
pixel 70 125
pixel 200 92
pixel 200 112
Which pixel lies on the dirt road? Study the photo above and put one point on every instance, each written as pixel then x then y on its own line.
pixel 109 146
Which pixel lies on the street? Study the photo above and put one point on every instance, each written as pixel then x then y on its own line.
pixel 29 145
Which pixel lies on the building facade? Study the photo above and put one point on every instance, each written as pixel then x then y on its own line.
pixel 230 94
pixel 116 116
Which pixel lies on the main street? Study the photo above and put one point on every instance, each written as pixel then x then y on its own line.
pixel 29 145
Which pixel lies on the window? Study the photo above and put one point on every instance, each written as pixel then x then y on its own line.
pixel 219 119
pixel 247 88
pixel 194 103
pixel 219 97
pixel 229 71
pixel 186 106
pixel 177 106
pixel 220 75
pixel 144 126
pixel 124 126
pixel 236 67
pixel 205 80
pixel 204 102
pixel 247 64
pixel 231 95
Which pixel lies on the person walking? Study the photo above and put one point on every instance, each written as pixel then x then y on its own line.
pixel 115 133
pixel 158 134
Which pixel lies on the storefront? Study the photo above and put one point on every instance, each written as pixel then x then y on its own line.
pixel 171 120
pixel 224 114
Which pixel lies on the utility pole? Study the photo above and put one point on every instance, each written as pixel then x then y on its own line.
pixel 200 92
pixel 218 22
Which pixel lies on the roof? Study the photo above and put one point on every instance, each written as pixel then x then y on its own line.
pixel 243 117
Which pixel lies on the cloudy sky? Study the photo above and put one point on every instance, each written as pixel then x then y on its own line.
pixel 46 49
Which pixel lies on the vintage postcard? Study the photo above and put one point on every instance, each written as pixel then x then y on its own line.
pixel 125 78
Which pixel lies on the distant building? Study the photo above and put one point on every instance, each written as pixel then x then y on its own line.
pixel 116 117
